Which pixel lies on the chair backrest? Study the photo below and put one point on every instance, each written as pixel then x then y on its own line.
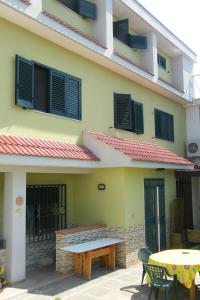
pixel 156 273
pixel 143 254
pixel 193 236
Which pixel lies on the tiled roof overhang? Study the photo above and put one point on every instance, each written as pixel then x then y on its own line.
pixel 141 151
pixel 24 146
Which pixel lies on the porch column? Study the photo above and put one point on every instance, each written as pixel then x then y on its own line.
pixel 15 224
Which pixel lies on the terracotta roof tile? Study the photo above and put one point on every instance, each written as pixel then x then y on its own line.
pixel 44 148
pixel 142 151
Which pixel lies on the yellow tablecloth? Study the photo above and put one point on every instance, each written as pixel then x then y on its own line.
pixel 183 263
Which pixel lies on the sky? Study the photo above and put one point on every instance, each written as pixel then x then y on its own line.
pixel 182 17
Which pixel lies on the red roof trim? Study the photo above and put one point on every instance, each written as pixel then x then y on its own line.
pixel 44 148
pixel 132 62
pixel 170 84
pixel 27 2
pixel 141 151
pixel 69 26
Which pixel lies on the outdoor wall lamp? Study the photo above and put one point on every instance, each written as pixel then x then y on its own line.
pixel 101 186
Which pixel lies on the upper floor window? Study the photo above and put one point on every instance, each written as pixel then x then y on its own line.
pixel 42 88
pixel 161 62
pixel 121 32
pixel 128 114
pixel 84 8
pixel 164 125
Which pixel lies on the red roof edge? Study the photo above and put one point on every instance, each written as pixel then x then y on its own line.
pixel 27 2
pixel 131 62
pixel 69 26
pixel 170 84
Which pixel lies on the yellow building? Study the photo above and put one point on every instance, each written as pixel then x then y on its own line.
pixel 92 126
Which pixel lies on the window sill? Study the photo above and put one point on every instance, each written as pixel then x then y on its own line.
pixel 127 131
pixel 160 139
pixel 52 115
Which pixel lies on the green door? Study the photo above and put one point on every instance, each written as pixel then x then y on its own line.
pixel 155 229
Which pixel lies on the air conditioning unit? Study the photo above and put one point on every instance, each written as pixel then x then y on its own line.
pixel 193 148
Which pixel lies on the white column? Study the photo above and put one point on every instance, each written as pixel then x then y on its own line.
pixel 15 224
pixel 182 75
pixel 103 25
pixel 149 55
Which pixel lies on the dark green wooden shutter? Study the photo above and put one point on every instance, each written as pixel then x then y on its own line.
pixel 170 127
pixel 122 111
pixel 24 82
pixel 87 9
pixel 67 3
pixel 138 120
pixel 120 30
pixel 73 97
pixel 57 93
pixel 164 125
pixel 158 123
pixel 137 41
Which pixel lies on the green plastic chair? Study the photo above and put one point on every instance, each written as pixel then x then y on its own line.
pixel 143 255
pixel 158 275
pixel 197 247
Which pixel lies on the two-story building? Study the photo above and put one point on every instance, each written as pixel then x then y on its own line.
pixel 92 126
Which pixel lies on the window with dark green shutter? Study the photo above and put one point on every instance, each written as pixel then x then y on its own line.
pixel 164 125
pixel 137 41
pixel 73 95
pixel 161 62
pixel 122 111
pixel 24 82
pixel 84 8
pixel 138 121
pixel 121 32
pixel 128 114
pixel 57 93
pixel 42 88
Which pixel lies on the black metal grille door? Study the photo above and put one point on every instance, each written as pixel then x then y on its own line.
pixel 46 211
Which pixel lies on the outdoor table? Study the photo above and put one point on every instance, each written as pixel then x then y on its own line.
pixel 184 263
pixel 85 252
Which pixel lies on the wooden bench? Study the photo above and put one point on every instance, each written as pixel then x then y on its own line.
pixel 85 252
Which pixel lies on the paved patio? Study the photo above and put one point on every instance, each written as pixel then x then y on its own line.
pixel 122 284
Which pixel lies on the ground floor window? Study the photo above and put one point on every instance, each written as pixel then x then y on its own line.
pixel 46 211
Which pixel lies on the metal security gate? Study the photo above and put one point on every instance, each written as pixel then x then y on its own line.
pixel 46 211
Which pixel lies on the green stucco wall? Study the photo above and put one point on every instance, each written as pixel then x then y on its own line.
pixel 94 206
pixel 125 50
pixel 165 74
pixel 98 86
pixel 121 204
pixel 69 16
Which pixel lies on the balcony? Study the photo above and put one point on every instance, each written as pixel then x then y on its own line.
pixel 62 9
